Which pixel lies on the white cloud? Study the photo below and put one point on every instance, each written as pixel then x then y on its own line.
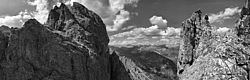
pixel 116 21
pixel 119 21
pixel 112 11
pixel 139 36
pixel 15 21
pixel 223 29
pixel 170 31
pixel 41 13
pixel 158 32
pixel 125 42
pixel 223 15
pixel 128 27
pixel 150 31
pixel 153 30
pixel 158 20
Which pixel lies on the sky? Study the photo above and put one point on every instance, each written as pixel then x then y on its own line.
pixel 137 22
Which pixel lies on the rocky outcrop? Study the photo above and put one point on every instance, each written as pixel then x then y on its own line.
pixel 79 24
pixel 208 55
pixel 191 33
pixel 63 49
pixel 243 29
pixel 35 53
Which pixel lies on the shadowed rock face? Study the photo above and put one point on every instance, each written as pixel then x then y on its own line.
pixel 212 55
pixel 64 49
pixel 243 28
pixel 79 24
pixel 36 53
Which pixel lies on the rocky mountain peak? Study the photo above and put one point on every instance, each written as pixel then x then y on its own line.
pixel 5 30
pixel 3 27
pixel 80 7
pixel 80 24
pixel 31 23
pixel 193 30
pixel 58 16
pixel 243 28
pixel 65 48
pixel 207 55
pixel 32 27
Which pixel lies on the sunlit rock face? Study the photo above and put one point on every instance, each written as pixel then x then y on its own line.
pixel 207 55
pixel 192 31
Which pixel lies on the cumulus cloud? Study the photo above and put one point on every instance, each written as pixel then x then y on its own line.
pixel 170 31
pixel 112 11
pixel 223 15
pixel 159 21
pixel 119 21
pixel 15 21
pixel 115 21
pixel 150 31
pixel 223 29
pixel 41 13
pixel 144 35
pixel 153 30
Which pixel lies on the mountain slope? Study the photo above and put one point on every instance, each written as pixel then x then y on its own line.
pixel 74 51
pixel 146 65
pixel 208 55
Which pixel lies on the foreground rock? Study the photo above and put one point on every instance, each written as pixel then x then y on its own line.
pixel 208 55
pixel 37 52
pixel 73 51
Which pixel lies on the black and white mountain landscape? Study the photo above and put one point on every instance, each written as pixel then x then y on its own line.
pixel 125 40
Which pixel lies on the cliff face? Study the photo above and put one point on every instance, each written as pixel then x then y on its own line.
pixel 190 39
pixel 243 28
pixel 73 45
pixel 208 55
